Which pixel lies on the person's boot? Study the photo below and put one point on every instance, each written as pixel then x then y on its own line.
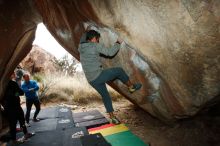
pixel 135 87
pixel 28 135
pixel 27 125
pixel 114 120
pixel 36 120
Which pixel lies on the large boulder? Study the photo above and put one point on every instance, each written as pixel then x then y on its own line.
pixel 39 61
pixel 171 47
pixel 17 29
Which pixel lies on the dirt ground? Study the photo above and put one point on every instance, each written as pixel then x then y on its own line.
pixel 202 130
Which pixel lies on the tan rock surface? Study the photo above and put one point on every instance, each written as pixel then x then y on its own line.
pixel 39 60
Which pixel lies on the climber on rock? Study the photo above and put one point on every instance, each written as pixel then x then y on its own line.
pixel 90 50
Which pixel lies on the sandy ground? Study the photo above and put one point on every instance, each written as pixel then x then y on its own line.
pixel 202 130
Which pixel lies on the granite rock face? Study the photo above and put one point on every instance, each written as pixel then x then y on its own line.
pixel 171 47
pixel 39 61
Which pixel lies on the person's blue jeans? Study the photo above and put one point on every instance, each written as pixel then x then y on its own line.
pixel 100 84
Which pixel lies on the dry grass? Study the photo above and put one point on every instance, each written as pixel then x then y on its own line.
pixel 69 89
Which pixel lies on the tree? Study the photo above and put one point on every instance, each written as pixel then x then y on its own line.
pixel 66 64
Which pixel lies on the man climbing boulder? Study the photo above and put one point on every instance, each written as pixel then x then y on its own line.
pixel 90 50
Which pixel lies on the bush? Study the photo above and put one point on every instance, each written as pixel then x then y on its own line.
pixel 45 81
pixel 38 77
pixel 66 64
pixel 59 88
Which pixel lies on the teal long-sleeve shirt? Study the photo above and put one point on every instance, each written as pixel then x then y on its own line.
pixel 30 94
pixel 90 58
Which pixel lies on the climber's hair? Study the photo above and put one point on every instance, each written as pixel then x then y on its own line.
pixel 26 74
pixel 91 34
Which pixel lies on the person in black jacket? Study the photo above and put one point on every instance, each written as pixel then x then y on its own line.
pixel 13 109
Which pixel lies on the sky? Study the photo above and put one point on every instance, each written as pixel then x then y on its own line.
pixel 45 40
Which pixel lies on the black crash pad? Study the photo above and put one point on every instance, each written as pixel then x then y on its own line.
pixel 65 123
pixel 52 112
pixel 64 112
pixel 46 113
pixel 92 123
pixel 67 137
pixel 89 119
pixel 53 118
pixel 87 116
pixel 43 125
pixel 65 119
pixel 94 140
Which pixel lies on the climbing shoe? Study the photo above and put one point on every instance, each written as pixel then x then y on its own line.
pixel 36 120
pixel 134 87
pixel 18 141
pixel 28 135
pixel 115 121
pixel 27 125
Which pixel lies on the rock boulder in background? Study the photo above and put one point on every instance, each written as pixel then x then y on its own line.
pixel 39 60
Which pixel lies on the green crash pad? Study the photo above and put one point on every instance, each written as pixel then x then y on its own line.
pixel 125 139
